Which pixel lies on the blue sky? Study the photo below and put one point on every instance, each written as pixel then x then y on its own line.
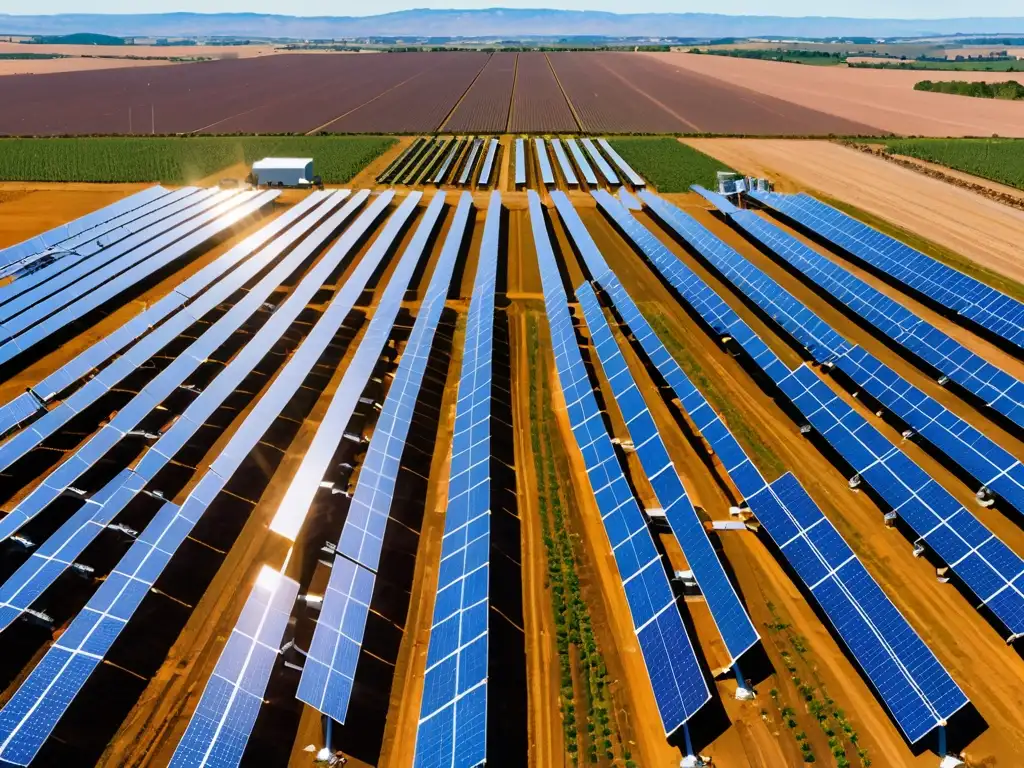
pixel 906 9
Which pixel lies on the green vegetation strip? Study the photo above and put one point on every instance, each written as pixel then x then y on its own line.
pixel 1011 90
pixel 668 164
pixel 178 159
pixel 937 252
pixel 574 632
pixel 817 58
pixel 1000 160
pixel 762 456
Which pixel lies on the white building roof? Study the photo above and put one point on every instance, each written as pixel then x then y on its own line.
pixel 298 163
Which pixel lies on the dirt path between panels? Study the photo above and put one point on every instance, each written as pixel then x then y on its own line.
pixel 982 230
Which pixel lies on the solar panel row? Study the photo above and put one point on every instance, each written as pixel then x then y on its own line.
pixel 599 160
pixel 452 729
pixel 442 172
pixel 520 163
pixel 728 613
pixel 632 176
pixel 330 667
pixel 563 162
pixel 32 401
pixel 57 235
pixel 581 162
pixel 917 690
pixel 30 715
pixel 487 169
pixel 39 322
pixel 679 686
pixel 220 727
pixel 547 173
pixel 470 162
pixel 998 313
pixel 140 352
pixel 315 463
pixel 949 357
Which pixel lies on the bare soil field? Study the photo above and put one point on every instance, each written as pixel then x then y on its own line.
pixel 883 99
pixel 971 225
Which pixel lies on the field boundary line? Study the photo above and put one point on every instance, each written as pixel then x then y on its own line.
pixel 572 108
pixel 512 96
pixel 365 103
pixel 465 93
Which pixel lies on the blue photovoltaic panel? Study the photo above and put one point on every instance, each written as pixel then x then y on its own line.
pixel 467 168
pixel 581 162
pixel 694 291
pixel 995 468
pixel 728 613
pixel 602 164
pixel 678 684
pixel 632 176
pixel 949 357
pixel 821 340
pixel 520 163
pixel 30 715
pixel 219 728
pixel 171 377
pixel 914 685
pixel 563 162
pixel 990 569
pixel 329 432
pixel 137 355
pixel 452 730
pixel 330 667
pixel 38 323
pixel 995 311
pixel 547 173
pixel 717 200
pixel 487 169
pixel 56 236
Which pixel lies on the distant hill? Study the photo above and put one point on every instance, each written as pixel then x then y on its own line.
pixel 498 22
pixel 80 38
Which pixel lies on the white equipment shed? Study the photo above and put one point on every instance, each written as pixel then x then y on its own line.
pixel 283 171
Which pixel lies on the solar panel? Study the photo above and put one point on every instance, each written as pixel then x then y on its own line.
pixel 547 173
pixel 821 340
pixel 129 361
pixel 628 201
pixel 632 176
pixel 581 162
pixel 916 689
pixel 949 357
pixel 467 166
pixel 676 679
pixel 171 377
pixel 452 729
pixel 602 164
pixel 990 569
pixel 330 666
pixel 520 163
pixel 299 496
pixel 487 169
pixel 719 201
pixel 58 235
pixel 995 468
pixel 41 322
pixel 950 289
pixel 220 726
pixel 442 172
pixel 30 715
pixel 563 162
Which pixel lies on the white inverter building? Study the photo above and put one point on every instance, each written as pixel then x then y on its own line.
pixel 283 171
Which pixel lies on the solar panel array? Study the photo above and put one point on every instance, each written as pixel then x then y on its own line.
pixel 470 162
pixel 602 165
pixel 632 176
pixel 581 162
pixel 998 313
pixel 563 162
pixel 949 357
pixel 728 613
pixel 442 172
pixel 487 169
pixel 547 173
pixel 452 729
pixel 219 728
pixel 679 686
pixel 330 668
pixel 58 235
pixel 30 715
pixel 520 163
pixel 917 690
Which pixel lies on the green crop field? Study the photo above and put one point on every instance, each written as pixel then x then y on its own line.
pixel 668 164
pixel 1000 160
pixel 178 160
